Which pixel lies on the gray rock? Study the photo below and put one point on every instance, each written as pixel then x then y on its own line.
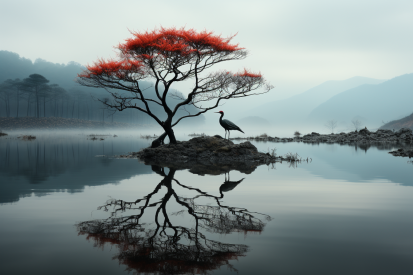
pixel 384 132
pixel 364 132
pixel 402 131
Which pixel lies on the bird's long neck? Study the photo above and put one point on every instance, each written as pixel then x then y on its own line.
pixel 222 195
pixel 220 119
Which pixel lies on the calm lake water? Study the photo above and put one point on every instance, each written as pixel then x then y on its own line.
pixel 348 211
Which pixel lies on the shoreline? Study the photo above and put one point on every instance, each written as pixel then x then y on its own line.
pixel 58 123
pixel 403 135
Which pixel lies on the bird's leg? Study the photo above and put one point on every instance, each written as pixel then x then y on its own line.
pixel 228 134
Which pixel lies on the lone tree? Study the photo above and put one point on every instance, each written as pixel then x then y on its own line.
pixel 356 124
pixel 168 56
pixel 331 124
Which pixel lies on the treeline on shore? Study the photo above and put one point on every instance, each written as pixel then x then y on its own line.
pixel 55 123
pixel 34 96
pixel 44 89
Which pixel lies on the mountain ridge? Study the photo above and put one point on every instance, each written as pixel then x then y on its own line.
pixel 298 107
pixel 385 101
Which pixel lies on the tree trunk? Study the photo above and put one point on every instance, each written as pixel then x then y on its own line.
pixel 7 101
pixel 171 136
pixel 169 131
pixel 18 100
pixel 28 106
pixel 37 103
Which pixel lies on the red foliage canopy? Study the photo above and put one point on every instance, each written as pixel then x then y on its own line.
pixel 178 41
pixel 119 69
pixel 247 73
pixel 166 48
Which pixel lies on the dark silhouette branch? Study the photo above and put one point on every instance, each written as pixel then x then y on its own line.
pixel 168 248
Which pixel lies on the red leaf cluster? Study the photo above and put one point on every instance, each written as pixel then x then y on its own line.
pixel 247 73
pixel 119 69
pixel 178 41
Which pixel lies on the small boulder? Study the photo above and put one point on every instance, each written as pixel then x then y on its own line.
pixel 364 132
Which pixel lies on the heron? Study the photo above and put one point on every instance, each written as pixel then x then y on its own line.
pixel 227 125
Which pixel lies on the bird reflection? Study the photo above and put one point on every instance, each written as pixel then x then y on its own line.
pixel 166 246
pixel 228 185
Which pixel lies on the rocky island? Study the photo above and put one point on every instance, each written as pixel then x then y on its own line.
pixel 203 154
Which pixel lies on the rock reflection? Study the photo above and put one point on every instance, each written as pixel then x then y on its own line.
pixel 166 246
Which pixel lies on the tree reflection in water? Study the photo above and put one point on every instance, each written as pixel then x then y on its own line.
pixel 166 248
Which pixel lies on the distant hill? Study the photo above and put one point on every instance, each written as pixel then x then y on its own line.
pixel 389 100
pixel 298 107
pixel 13 66
pixel 406 122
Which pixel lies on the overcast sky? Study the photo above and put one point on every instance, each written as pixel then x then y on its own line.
pixel 295 44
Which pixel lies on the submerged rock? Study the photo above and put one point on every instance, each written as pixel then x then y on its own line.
pixel 402 153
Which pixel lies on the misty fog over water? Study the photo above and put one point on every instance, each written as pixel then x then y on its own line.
pixel 350 206
pixel 372 102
